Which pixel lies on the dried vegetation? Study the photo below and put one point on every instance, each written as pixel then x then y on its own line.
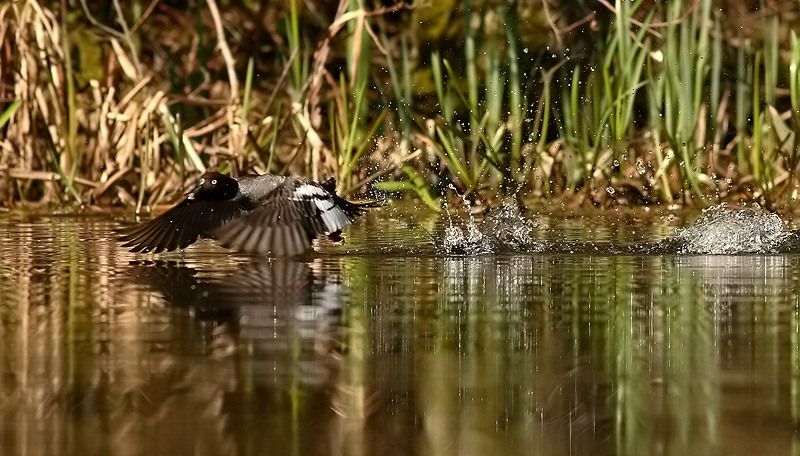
pixel 634 103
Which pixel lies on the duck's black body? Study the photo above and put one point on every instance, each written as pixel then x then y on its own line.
pixel 265 214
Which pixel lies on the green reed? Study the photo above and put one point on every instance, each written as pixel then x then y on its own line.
pixel 685 71
pixel 413 182
pixel 787 133
pixel 771 83
pixel 9 111
pixel 596 107
pixel 401 85
pixel 299 70
pixel 794 73
pixel 516 103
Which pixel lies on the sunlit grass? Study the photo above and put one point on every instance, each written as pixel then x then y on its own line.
pixel 665 104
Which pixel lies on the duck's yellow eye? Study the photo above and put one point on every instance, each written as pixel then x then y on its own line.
pixel 214 182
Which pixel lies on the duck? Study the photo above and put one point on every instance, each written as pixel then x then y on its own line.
pixel 266 214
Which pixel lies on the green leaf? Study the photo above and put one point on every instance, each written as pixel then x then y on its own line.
pixel 9 112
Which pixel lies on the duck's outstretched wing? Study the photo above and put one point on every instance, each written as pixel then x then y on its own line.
pixel 287 220
pixel 180 226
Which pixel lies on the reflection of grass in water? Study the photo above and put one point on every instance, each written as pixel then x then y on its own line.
pixel 490 346
pixel 649 350
pixel 353 399
pixel 549 352
pixel 795 366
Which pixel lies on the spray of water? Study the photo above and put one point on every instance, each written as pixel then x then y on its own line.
pixel 502 230
pixel 723 231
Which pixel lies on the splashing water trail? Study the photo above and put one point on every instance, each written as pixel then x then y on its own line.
pixel 722 230
pixel 510 229
pixel 468 240
pixel 503 229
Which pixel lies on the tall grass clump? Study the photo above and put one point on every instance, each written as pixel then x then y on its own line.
pixel 674 72
pixel 475 132
pixel 597 106
pixel 685 75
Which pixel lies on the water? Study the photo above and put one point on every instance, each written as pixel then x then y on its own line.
pixel 580 335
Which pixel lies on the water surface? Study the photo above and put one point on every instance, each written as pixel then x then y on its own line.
pixel 386 345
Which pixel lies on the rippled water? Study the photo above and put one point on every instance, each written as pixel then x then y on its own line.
pixel 580 335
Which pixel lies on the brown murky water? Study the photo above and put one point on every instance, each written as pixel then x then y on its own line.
pixel 385 346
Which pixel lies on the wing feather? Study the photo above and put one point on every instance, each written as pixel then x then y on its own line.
pixel 287 227
pixel 179 226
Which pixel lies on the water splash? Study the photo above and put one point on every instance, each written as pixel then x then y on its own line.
pixel 503 229
pixel 466 240
pixel 510 229
pixel 722 231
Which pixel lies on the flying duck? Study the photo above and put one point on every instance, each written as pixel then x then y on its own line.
pixel 263 214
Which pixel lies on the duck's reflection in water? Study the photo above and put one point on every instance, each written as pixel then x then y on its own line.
pixel 259 354
pixel 265 307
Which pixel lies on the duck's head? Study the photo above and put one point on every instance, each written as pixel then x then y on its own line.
pixel 214 186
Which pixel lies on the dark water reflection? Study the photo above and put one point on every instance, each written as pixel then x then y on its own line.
pixel 369 349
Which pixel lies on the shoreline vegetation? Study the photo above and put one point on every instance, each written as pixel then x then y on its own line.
pixel 643 102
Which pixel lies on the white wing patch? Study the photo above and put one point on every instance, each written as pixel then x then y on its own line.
pixel 324 204
pixel 309 191
pixel 333 216
pixel 335 219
